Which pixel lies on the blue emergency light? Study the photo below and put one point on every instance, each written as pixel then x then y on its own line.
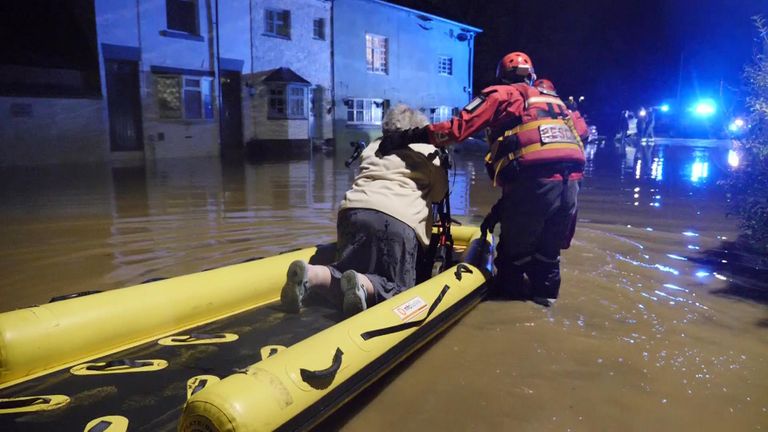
pixel 705 108
pixel 736 125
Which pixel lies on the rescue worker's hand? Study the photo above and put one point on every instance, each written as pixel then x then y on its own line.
pixel 396 140
pixel 488 225
pixel 490 220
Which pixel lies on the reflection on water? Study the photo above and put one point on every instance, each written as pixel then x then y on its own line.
pixel 641 338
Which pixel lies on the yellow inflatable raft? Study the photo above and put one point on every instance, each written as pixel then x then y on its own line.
pixel 217 345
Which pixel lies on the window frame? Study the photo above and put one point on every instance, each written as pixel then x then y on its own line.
pixel 376 57
pixel 195 25
pixel 374 105
pixel 318 29
pixel 445 65
pixel 440 113
pixel 204 90
pixel 288 101
pixel 274 29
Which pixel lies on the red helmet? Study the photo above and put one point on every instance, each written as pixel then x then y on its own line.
pixel 515 67
pixel 546 85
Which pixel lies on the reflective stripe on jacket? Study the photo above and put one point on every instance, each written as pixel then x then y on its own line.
pixel 546 135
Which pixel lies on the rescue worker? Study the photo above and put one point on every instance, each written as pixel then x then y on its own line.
pixel 536 156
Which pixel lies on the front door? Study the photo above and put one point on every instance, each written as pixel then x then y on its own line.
pixel 231 113
pixel 124 105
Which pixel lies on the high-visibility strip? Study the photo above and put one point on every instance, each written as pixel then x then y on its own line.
pixel 538 146
pixel 526 127
pixel 543 99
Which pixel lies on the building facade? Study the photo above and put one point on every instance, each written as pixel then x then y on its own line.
pixel 401 56
pixel 195 78
pixel 289 86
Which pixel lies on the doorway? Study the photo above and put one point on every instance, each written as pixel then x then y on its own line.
pixel 231 113
pixel 124 105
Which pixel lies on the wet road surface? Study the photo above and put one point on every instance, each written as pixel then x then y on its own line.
pixel 660 324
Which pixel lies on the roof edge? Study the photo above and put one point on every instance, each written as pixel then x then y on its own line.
pixel 464 27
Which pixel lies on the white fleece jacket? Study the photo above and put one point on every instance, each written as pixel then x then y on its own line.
pixel 403 185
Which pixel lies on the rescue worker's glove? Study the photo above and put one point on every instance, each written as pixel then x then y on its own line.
pixel 397 140
pixel 490 221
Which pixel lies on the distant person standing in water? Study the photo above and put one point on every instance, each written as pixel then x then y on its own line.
pixel 650 122
pixel 383 221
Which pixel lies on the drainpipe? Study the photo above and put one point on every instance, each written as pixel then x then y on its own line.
pixel 471 43
pixel 219 99
pixel 333 76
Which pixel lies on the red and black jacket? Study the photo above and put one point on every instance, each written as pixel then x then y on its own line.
pixel 527 130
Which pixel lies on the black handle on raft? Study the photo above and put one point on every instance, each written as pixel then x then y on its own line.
pixel 101 426
pixel 198 336
pixel 461 268
pixel 321 379
pixel 72 295
pixel 119 363
pixel 200 385
pixel 23 402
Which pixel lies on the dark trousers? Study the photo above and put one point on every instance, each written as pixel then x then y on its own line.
pixel 379 246
pixel 537 217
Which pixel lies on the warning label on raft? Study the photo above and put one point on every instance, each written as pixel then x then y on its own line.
pixel 407 311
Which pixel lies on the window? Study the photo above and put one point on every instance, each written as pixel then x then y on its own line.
pixel 445 65
pixel 440 113
pixel 277 23
pixel 364 111
pixel 184 97
pixel 376 53
pixel 287 102
pixel 296 104
pixel 318 28
pixel 181 15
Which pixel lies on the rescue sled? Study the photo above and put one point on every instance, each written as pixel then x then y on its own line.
pixel 214 350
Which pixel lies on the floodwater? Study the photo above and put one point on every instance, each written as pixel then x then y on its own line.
pixel 661 324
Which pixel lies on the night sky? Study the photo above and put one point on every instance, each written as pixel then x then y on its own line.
pixel 619 54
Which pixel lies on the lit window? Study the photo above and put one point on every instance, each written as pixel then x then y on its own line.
pixel 287 102
pixel 181 15
pixel 445 65
pixel 184 97
pixel 168 89
pixel 277 23
pixel 318 28
pixel 376 53
pixel 364 111
pixel 440 113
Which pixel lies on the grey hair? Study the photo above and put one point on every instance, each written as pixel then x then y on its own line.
pixel 401 117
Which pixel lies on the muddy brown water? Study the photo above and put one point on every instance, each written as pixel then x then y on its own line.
pixel 660 325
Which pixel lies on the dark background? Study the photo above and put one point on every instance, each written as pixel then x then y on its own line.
pixel 619 54
pixel 49 48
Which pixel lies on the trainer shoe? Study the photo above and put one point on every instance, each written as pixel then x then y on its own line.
pixel 296 286
pixel 354 294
